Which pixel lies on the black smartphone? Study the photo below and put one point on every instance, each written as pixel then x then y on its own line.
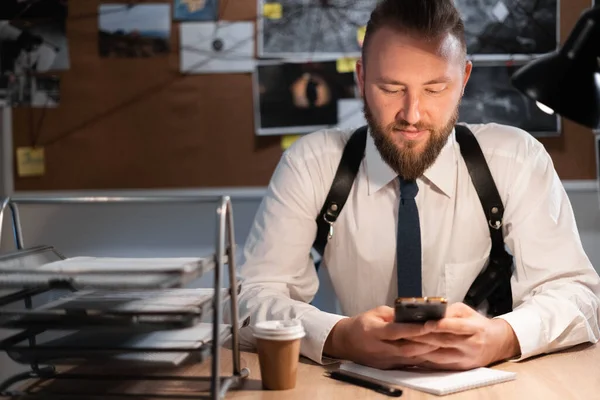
pixel 419 309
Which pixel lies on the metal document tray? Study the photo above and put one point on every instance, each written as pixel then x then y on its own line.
pixel 108 345
pixel 22 270
pixel 135 311
pixel 39 343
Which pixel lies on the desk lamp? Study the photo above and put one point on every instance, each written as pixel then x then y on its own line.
pixel 567 81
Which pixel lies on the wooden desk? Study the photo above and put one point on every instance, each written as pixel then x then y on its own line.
pixel 569 375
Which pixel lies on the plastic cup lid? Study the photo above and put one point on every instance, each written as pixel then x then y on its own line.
pixel 279 330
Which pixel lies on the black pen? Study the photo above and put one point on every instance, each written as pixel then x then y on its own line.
pixel 379 388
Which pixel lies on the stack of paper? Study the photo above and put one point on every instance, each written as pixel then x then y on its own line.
pixel 67 350
pixel 112 264
pixel 171 300
pixel 109 272
pixel 137 310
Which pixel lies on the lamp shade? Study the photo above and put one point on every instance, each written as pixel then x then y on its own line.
pixel 568 81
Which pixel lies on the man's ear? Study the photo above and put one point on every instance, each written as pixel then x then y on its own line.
pixel 360 76
pixel 468 69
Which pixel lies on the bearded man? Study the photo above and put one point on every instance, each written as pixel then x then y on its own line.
pixel 412 75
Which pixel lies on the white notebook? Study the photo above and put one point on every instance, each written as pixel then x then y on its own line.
pixel 435 382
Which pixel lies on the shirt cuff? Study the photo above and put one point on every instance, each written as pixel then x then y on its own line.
pixel 529 329
pixel 317 325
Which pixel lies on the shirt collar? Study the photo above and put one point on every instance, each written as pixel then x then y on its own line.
pixel 442 174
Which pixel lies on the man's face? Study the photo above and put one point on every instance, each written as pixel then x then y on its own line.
pixel 411 90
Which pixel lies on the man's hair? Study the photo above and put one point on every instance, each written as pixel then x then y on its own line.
pixel 426 19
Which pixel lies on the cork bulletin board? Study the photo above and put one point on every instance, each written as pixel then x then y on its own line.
pixel 138 123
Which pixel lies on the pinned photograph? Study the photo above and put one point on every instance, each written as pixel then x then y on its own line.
pixel 494 29
pixel 515 29
pixel 325 30
pixel 490 97
pixel 299 97
pixel 33 37
pixel 134 30
pixel 33 91
pixel 196 10
pixel 226 47
pixel 27 9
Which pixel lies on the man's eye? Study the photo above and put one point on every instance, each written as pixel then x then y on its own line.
pixel 434 91
pixel 391 91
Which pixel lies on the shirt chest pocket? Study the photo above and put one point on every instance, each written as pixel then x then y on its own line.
pixel 460 276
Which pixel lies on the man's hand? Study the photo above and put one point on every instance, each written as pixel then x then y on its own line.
pixel 464 339
pixel 374 339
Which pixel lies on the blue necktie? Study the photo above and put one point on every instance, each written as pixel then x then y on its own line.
pixel 408 247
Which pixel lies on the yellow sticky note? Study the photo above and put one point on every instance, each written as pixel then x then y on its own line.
pixel 360 35
pixel 346 65
pixel 30 161
pixel 272 10
pixel 288 140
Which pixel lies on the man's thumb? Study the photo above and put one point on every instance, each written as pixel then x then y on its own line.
pixel 385 313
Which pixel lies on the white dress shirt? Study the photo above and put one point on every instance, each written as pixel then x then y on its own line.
pixel 555 288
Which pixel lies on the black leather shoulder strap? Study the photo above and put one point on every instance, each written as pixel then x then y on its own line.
pixel 345 175
pixel 494 283
pixel 484 184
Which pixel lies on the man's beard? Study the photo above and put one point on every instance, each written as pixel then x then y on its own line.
pixel 406 161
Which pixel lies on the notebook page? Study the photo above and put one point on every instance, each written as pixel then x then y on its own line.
pixel 435 382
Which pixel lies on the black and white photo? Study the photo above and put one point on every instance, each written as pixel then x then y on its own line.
pixel 490 97
pixel 313 29
pixel 33 9
pixel 33 91
pixel 494 29
pixel 518 29
pixel 33 37
pixel 299 97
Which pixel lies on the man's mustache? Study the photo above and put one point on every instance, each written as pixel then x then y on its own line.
pixel 404 125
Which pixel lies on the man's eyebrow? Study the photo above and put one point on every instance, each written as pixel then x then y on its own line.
pixel 441 79
pixel 390 81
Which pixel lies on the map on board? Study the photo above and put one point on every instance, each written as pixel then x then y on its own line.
pixel 494 29
pixel 501 29
pixel 311 28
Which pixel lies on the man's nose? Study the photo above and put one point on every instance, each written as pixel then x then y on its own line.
pixel 410 109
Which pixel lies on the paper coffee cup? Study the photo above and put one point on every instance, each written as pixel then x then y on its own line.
pixel 278 345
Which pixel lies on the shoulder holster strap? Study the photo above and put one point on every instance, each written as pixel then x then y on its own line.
pixel 494 283
pixel 345 175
